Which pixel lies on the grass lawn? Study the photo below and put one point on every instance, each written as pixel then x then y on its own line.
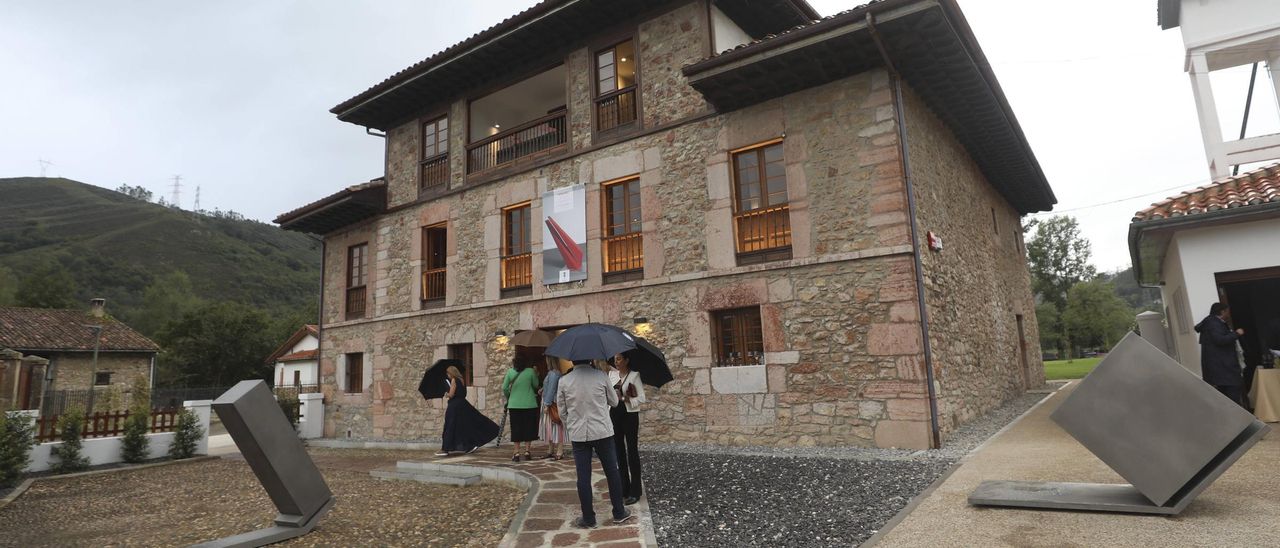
pixel 1057 370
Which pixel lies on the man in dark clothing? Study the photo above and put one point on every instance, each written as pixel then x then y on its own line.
pixel 1219 364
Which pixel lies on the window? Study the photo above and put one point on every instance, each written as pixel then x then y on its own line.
pixel 762 217
pixel 102 378
pixel 435 154
pixel 623 239
pixel 297 377
pixel 738 337
pixel 462 353
pixel 434 241
pixel 357 276
pixel 355 373
pixel 616 86
pixel 517 263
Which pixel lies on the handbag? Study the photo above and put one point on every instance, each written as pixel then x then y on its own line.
pixel 553 413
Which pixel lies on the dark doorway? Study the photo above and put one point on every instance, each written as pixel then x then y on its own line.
pixel 1254 299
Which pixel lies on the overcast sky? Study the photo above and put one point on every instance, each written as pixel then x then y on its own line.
pixel 234 95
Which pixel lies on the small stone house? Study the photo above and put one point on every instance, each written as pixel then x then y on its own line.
pixel 67 338
pixel 818 219
pixel 296 363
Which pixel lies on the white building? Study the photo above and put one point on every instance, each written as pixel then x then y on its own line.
pixel 296 360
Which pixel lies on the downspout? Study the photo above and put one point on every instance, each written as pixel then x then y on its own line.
pixel 320 318
pixel 895 82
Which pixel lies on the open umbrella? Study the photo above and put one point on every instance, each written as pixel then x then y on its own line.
pixel 647 360
pixel 433 385
pixel 591 341
pixel 533 338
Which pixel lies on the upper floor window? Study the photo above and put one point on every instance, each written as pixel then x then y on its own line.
pixel 762 215
pixel 739 338
pixel 616 86
pixel 435 154
pixel 434 241
pixel 517 261
pixel 623 239
pixel 357 277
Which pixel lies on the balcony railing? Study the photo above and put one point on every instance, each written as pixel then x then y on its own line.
pixel 517 271
pixel 524 140
pixel 764 229
pixel 616 109
pixel 433 284
pixel 355 302
pixel 435 174
pixel 623 253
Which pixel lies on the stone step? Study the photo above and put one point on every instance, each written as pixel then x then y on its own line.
pixel 464 479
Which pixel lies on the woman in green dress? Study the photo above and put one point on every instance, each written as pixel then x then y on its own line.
pixel 520 386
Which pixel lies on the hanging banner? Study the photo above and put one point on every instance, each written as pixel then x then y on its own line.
pixel 564 235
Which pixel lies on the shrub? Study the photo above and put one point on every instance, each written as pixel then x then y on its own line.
pixel 68 452
pixel 17 436
pixel 186 436
pixel 134 447
pixel 291 407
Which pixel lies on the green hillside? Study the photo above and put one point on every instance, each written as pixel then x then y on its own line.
pixel 115 246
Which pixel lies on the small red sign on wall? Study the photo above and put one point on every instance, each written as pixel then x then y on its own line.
pixel 935 241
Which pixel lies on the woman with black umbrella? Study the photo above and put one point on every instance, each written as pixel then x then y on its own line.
pixel 626 425
pixel 465 428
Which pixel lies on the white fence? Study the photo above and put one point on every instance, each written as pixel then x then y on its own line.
pixel 108 450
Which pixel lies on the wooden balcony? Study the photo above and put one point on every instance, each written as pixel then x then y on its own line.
pixel 356 299
pixel 616 109
pixel 527 139
pixel 763 231
pixel 433 284
pixel 623 253
pixel 435 174
pixel 517 271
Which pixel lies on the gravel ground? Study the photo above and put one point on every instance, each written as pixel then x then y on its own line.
pixel 757 496
pixel 187 503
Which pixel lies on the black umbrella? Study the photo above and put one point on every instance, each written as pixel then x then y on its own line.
pixel 647 360
pixel 433 380
pixel 591 341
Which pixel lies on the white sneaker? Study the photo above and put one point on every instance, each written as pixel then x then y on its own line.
pixel 442 454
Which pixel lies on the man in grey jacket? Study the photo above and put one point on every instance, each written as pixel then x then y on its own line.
pixel 584 397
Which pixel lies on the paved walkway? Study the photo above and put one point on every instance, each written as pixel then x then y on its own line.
pixel 1239 509
pixel 548 521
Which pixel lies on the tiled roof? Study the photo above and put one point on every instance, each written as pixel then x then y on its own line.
pixel 1257 187
pixel 33 329
pixel 810 24
pixel 373 183
pixel 299 356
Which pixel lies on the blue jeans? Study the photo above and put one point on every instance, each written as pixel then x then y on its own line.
pixel 609 459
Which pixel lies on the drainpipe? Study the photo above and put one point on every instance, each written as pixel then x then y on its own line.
pixel 895 82
pixel 320 317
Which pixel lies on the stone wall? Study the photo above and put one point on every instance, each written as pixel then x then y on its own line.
pixel 75 369
pixel 666 44
pixel 978 284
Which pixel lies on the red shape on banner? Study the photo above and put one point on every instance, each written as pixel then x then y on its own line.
pixel 568 248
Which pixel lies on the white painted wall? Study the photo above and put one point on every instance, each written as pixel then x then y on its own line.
pixel 310 369
pixel 1195 255
pixel 311 421
pixel 107 450
pixel 726 33
pixel 1210 21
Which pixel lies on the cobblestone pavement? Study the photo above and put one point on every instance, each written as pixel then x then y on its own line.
pixel 548 521
pixel 185 503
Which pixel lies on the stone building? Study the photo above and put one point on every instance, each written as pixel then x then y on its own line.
pixel 66 338
pixel 763 193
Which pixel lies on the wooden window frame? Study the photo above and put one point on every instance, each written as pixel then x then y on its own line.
pixel 633 238
pixel 464 352
pixel 511 256
pixel 357 285
pixel 433 276
pixel 438 160
pixel 776 253
pixel 297 377
pixel 355 382
pixel 741 340
pixel 616 94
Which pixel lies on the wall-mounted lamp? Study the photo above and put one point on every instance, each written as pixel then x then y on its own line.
pixel 640 320
pixel 642 326
pixel 501 333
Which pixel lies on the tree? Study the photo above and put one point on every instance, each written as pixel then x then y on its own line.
pixel 47 286
pixel 1138 298
pixel 1095 316
pixel 1049 321
pixel 1059 258
pixel 134 445
pixel 135 192
pixel 217 344
pixel 166 300
pixel 186 435
pixel 17 436
pixel 68 452
pixel 8 287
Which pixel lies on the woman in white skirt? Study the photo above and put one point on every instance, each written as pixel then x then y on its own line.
pixel 552 426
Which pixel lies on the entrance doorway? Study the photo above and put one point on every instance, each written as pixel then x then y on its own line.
pixel 1254 299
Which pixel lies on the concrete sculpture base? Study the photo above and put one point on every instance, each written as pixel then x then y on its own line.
pixel 1157 425
pixel 273 451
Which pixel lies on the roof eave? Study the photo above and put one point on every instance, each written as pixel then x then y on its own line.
pixel 1163 228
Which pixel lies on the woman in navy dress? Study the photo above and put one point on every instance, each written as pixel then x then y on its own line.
pixel 465 428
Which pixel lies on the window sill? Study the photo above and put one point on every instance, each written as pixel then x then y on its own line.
pixel 510 292
pixel 623 276
pixel 764 256
pixel 432 303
